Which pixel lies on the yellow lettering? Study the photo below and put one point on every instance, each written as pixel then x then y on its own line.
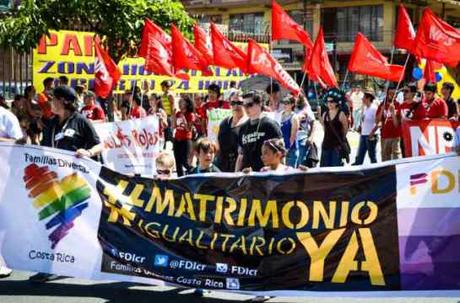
pixel 263 218
pixel 320 211
pixel 318 254
pixel 435 176
pixel 286 214
pixel 204 199
pixel 160 203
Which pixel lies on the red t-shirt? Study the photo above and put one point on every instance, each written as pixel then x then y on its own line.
pixel 437 109
pixel 181 121
pixel 389 130
pixel 138 112
pixel 201 115
pixel 45 105
pixel 418 114
pixel 216 104
pixel 93 112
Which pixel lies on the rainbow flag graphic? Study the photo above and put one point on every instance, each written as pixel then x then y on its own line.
pixel 60 200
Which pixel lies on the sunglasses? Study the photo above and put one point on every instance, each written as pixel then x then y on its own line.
pixel 236 103
pixel 248 105
pixel 163 171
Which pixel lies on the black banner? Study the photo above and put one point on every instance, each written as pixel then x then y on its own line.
pixel 314 231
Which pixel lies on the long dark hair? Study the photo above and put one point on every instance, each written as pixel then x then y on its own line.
pixel 158 101
pixel 189 103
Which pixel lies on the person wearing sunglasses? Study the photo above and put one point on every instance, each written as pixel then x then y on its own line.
pixel 254 132
pixel 164 164
pixel 227 137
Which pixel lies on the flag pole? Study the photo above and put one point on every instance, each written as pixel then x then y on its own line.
pixel 387 84
pixel 345 79
pixel 303 80
pixel 132 97
pixel 402 76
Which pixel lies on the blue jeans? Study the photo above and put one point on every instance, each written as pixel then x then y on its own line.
pixel 291 157
pixel 330 157
pixel 304 150
pixel 366 145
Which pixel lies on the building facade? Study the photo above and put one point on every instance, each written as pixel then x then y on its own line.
pixel 341 20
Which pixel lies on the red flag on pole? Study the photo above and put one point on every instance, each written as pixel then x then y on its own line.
pixel 283 27
pixel 201 43
pixel 156 49
pixel 185 55
pixel 318 67
pixel 226 54
pixel 437 40
pixel 429 73
pixel 106 73
pixel 261 62
pixel 405 33
pixel 367 60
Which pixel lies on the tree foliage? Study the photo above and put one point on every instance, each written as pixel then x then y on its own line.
pixel 118 22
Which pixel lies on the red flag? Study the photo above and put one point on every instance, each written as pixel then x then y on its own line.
pixel 367 60
pixel 106 73
pixel 185 55
pixel 201 43
pixel 261 62
pixel 429 73
pixel 437 40
pixel 405 33
pixel 226 54
pixel 318 67
pixel 156 49
pixel 283 27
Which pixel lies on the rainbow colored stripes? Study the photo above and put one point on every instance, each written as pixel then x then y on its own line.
pixel 61 200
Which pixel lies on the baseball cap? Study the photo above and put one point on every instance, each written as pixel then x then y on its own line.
pixel 65 92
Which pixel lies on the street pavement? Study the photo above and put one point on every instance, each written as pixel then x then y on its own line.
pixel 17 289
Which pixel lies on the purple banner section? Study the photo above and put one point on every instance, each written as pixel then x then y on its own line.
pixel 428 221
pixel 429 262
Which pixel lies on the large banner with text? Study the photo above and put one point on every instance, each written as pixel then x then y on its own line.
pixel 381 228
pixel 71 54
pixel 131 146
pixel 429 137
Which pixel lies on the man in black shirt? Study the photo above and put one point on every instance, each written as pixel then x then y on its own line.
pixel 452 106
pixel 254 133
pixel 68 130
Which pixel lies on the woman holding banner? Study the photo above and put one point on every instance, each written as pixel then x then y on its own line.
pixel 68 130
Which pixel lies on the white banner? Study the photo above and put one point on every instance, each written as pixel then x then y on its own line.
pixel 131 146
pixel 215 117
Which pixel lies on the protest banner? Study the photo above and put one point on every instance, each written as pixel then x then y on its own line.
pixel 380 228
pixel 429 137
pixel 131 146
pixel 215 117
pixel 72 54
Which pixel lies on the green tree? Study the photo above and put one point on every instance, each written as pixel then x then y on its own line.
pixel 118 22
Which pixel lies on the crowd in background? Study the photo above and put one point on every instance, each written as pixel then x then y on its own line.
pixel 265 131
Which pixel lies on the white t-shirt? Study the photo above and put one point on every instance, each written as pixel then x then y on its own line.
pixel 368 119
pixel 9 125
pixel 357 100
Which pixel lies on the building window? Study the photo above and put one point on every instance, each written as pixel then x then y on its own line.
pixel 349 21
pixel 248 23
pixel 217 19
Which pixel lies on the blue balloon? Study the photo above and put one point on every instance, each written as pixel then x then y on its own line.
pixel 417 73
pixel 438 77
